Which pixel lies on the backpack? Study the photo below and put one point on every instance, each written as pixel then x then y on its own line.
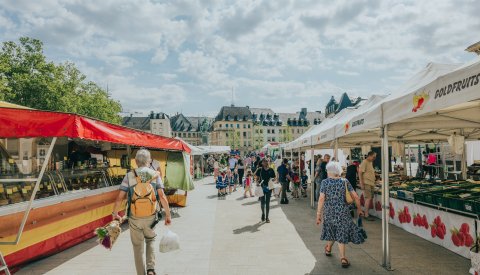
pixel 142 197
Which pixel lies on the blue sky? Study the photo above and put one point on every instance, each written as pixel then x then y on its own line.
pixel 187 56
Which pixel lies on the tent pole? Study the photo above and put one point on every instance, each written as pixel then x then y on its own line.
pixel 385 201
pixel 312 175
pixel 404 160
pixel 464 159
pixel 335 152
pixel 409 161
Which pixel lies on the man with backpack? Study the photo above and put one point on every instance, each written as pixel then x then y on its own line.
pixel 143 188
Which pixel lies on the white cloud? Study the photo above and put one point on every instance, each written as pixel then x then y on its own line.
pixel 160 55
pixel 282 49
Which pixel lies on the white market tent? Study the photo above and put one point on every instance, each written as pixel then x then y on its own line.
pixel 214 149
pixel 439 101
pixel 203 150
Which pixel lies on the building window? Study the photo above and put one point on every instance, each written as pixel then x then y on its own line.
pixel 273 131
pixel 248 126
pixel 273 139
pixel 226 134
pixel 244 126
pixel 219 125
pixel 256 131
pixel 244 144
pixel 261 131
pixel 231 125
pixel 226 125
pixel 244 134
pixel 268 131
pixel 238 126
pixel 298 131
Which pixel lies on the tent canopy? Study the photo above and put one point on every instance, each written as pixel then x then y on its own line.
pixel 215 149
pixel 438 101
pixel 25 123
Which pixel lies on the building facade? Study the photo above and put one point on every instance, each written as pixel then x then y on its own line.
pixel 233 127
pixel 248 129
pixel 155 123
pixel 193 130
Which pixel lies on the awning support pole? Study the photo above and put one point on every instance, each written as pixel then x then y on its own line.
pixel 464 159
pixel 409 161
pixel 312 177
pixel 385 201
pixel 404 160
pixel 34 193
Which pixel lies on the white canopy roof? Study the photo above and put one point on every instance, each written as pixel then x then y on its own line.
pixel 440 100
pixel 214 149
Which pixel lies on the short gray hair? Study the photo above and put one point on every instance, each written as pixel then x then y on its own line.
pixel 334 168
pixel 143 157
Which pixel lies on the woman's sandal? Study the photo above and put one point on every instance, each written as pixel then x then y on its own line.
pixel 345 262
pixel 328 253
pixel 151 272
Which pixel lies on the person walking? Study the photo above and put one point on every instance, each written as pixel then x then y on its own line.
pixel 264 174
pixel 334 212
pixel 304 179
pixel 240 171
pixel 216 168
pixel 323 167
pixel 352 173
pixel 229 181
pixel 248 184
pixel 317 178
pixel 221 186
pixel 144 188
pixel 232 163
pixel 284 179
pixel 367 181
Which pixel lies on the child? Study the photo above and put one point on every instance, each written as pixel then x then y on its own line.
pixel 221 185
pixel 229 181
pixel 248 184
pixel 304 183
pixel 296 183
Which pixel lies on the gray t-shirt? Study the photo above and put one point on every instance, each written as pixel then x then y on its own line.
pixel 146 174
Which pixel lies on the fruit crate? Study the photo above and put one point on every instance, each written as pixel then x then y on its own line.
pixel 472 205
pixel 428 196
pixel 453 201
pixel 405 194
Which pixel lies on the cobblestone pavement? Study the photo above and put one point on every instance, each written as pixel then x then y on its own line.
pixel 224 236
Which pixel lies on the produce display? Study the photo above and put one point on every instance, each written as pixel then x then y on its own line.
pixel 459 195
pixel 56 183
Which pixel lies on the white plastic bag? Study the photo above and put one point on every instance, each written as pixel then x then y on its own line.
pixel 258 191
pixel 169 242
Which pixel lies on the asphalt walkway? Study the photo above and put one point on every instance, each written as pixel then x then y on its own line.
pixel 224 236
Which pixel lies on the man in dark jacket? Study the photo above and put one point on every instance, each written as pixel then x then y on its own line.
pixel 284 179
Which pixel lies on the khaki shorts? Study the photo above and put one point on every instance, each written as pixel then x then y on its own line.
pixel 369 191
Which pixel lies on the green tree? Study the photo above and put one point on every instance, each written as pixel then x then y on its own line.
pixel 27 78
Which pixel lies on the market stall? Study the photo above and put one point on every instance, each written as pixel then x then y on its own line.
pixel 59 174
pixel 439 104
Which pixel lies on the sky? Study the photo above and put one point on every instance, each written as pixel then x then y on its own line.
pixel 188 56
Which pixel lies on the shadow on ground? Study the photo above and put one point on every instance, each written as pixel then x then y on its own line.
pixel 409 253
pixel 249 228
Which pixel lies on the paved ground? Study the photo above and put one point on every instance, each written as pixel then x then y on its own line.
pixel 223 236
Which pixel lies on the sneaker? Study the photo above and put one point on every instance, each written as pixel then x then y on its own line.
pixel 268 220
pixel 263 217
